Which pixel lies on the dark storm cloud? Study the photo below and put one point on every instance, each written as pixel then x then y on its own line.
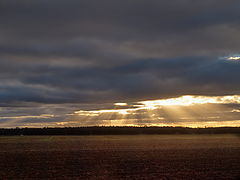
pixel 90 51
pixel 142 79
pixel 151 78
pixel 133 24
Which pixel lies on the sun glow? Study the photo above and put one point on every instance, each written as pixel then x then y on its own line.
pixel 234 58
pixel 97 112
pixel 155 104
pixel 120 104
pixel 192 111
pixel 191 100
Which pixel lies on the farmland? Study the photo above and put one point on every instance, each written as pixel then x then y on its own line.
pixel 120 157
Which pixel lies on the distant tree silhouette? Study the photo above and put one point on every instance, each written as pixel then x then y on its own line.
pixel 111 130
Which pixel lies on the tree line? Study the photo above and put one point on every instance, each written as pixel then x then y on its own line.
pixel 103 130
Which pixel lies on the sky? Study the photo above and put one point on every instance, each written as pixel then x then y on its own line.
pixel 112 62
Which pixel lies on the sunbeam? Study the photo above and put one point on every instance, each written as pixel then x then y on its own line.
pixel 192 111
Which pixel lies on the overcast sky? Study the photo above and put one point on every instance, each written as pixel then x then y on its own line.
pixel 62 56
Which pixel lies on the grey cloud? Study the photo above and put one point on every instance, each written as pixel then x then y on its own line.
pixel 101 52
pixel 142 79
pixel 171 23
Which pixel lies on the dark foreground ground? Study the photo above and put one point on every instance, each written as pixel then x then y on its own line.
pixel 120 157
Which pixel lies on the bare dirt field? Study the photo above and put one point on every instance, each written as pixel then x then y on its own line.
pixel 120 157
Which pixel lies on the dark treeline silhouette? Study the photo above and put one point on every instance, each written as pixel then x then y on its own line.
pixel 118 130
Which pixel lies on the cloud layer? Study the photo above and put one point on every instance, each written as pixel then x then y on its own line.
pixel 88 54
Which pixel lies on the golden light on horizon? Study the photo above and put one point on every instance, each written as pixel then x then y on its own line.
pixel 97 112
pixel 191 100
pixel 234 58
pixel 17 119
pixel 120 104
pixel 191 111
